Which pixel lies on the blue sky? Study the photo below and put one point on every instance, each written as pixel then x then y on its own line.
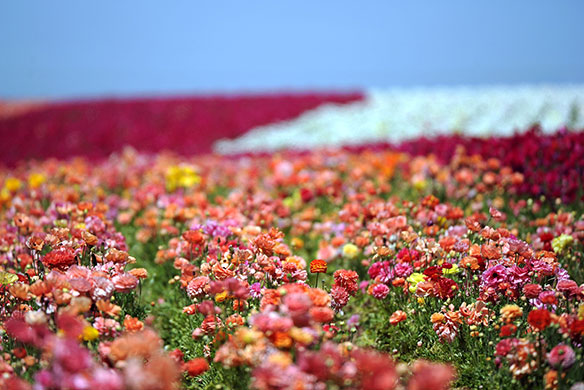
pixel 70 48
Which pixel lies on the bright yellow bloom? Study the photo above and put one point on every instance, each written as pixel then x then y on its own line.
pixel 183 176
pixel 420 185
pixel 89 333
pixel 451 271
pixel 414 279
pixel 248 336
pixel 560 243
pixel 221 296
pixel 36 179
pixel 12 184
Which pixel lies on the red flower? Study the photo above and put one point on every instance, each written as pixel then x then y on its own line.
pixel 59 258
pixel 346 279
pixel 196 366
pixel 539 319
pixel 318 266
pixel 433 272
pixel 507 330
pixel 532 290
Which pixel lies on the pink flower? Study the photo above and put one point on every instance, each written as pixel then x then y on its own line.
pixel 339 296
pixel 198 287
pixel 380 291
pixel 494 275
pixel 403 270
pixel 429 375
pixel 125 282
pixel 561 355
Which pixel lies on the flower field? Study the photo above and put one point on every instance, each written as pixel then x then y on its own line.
pixel 434 263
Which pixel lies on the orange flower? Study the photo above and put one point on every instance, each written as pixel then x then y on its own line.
pixel 282 340
pixel 319 297
pixel 397 317
pixel 19 290
pixel 222 273
pixel 133 324
pixel 140 273
pixel 108 308
pixel 318 266
pixel 437 317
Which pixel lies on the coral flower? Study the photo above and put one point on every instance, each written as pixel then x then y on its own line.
pixel 397 317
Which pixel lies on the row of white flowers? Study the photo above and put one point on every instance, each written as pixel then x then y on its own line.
pixel 398 114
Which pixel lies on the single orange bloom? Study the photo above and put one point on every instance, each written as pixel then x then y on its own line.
pixel 397 317
pixel 140 273
pixel 437 317
pixel 318 266
pixel 282 340
pixel 133 324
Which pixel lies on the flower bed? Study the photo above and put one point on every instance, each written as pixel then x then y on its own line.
pixel 186 125
pixel 368 269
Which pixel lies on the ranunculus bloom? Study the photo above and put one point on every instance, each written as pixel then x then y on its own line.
pixel 561 355
pixel 318 266
pixel 539 319
pixel 380 291
pixel 322 314
pixel 196 366
pixel 429 375
pixel 61 258
pixel 346 279
pixel 397 317
pixel 532 290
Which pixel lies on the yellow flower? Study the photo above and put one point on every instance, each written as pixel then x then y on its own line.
pixel 560 243
pixel 89 333
pixel 414 279
pixel 221 296
pixel 183 176
pixel 297 243
pixel 36 179
pixel 12 184
pixel 581 312
pixel 4 194
pixel 288 202
pixel 350 250
pixel 420 185
pixel 248 336
pixel 451 271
